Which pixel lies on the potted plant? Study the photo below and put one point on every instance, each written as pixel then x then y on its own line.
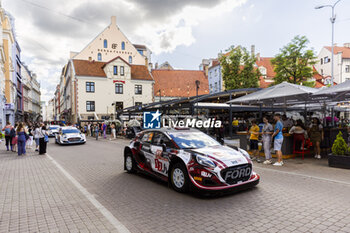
pixel 340 156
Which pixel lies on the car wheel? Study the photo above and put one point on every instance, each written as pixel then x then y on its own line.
pixel 179 178
pixel 129 163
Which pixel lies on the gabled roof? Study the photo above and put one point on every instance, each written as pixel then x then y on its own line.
pixel 344 50
pixel 179 83
pixel 95 69
pixel 266 62
pixel 116 59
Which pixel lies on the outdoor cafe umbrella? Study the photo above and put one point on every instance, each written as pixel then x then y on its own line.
pixel 338 92
pixel 283 93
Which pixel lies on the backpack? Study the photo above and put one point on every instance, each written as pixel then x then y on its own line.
pixel 13 133
pixel 7 131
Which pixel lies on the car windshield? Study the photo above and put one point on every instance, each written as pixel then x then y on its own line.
pixel 192 140
pixel 70 131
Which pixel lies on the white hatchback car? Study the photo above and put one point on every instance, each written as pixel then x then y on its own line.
pixel 70 135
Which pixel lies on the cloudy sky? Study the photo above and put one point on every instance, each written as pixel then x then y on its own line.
pixel 182 32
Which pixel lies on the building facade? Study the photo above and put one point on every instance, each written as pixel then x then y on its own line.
pixel 341 63
pixel 110 47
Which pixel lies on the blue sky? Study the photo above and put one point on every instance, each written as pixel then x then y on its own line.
pixel 182 32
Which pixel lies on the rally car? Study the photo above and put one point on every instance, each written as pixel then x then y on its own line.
pixel 69 135
pixel 53 130
pixel 189 160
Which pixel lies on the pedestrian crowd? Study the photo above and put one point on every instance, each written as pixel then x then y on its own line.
pixel 272 136
pixel 26 136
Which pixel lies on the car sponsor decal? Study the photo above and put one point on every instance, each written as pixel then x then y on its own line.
pixel 185 156
pixel 159 164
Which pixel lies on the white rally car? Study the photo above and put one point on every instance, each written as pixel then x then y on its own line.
pixel 70 135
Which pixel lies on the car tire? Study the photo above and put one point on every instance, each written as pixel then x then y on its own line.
pixel 129 163
pixel 179 178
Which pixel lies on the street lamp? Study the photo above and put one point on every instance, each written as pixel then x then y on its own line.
pixel 332 21
pixel 197 88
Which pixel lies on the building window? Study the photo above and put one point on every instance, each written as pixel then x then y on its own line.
pixel 140 51
pixel 90 87
pixel 322 72
pixel 123 45
pixel 321 61
pixel 326 60
pixel 105 44
pixel 115 70
pixel 347 69
pixel 138 103
pixel 122 70
pixel 118 88
pixel 130 59
pixel 99 57
pixel 90 106
pixel 138 89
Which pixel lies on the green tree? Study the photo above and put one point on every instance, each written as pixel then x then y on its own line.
pixel 238 70
pixel 294 62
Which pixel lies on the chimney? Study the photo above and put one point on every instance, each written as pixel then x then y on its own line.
pixel 347 45
pixel 258 57
pixel 156 66
pixel 90 59
pixel 113 20
pixel 252 50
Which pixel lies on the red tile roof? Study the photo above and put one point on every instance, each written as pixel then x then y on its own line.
pixel 266 62
pixel 344 50
pixel 95 68
pixel 179 83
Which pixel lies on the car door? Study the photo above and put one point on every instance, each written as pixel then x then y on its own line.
pixel 159 149
pixel 145 157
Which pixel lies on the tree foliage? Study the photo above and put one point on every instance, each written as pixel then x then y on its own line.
pixel 238 69
pixel 294 62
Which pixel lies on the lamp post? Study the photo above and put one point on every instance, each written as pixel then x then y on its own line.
pixel 197 88
pixel 332 21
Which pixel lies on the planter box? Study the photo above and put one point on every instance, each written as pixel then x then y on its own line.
pixel 339 161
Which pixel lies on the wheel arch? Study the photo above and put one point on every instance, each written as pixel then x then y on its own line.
pixel 174 161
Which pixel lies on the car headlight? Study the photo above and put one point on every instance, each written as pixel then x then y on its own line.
pixel 205 161
pixel 245 153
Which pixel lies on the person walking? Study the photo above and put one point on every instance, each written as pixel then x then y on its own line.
pixel 267 131
pixel 278 139
pixel 13 138
pixel 235 125
pixel 316 136
pixel 43 139
pixel 8 138
pixel 104 128
pixel 36 135
pixel 114 135
pixel 22 138
pixel 254 137
pixel 29 142
pixel 97 131
pixel 88 129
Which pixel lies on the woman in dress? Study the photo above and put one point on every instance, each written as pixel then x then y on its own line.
pixel 21 134
pixel 316 136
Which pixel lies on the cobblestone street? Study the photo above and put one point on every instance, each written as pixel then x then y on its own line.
pixel 35 196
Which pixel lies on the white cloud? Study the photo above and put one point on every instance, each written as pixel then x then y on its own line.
pixel 47 36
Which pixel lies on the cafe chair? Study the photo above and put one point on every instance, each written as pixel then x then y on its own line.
pixel 297 137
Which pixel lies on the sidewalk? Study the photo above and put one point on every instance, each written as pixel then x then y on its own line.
pixel 36 197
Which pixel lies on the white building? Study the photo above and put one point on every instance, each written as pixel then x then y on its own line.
pixel 107 87
pixel 108 62
pixel 341 63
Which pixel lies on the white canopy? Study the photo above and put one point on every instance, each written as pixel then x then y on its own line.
pixel 337 92
pixel 285 92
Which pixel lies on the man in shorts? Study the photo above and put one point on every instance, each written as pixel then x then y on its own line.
pixel 278 139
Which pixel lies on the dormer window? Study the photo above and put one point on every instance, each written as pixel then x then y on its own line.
pixel 262 70
pixel 105 44
pixel 123 45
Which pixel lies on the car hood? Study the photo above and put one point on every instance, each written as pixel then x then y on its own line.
pixel 228 156
pixel 72 135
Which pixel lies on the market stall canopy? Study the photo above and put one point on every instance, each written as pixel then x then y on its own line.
pixel 336 93
pixel 283 93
